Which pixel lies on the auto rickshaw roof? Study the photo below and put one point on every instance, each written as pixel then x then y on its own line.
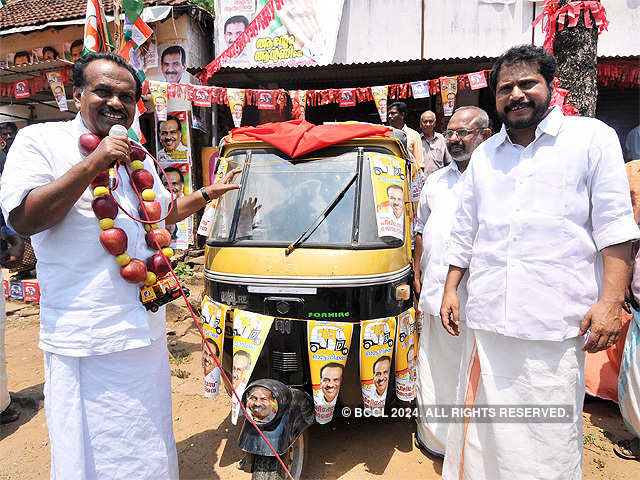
pixel 299 137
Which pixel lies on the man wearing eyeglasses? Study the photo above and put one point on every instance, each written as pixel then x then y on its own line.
pixel 544 227
pixel 439 353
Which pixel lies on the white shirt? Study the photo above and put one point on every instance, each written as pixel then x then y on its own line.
pixel 436 212
pixel 531 222
pixel 86 307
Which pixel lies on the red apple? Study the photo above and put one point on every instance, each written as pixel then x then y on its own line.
pixel 102 179
pixel 159 235
pixel 105 207
pixel 154 210
pixel 134 271
pixel 158 264
pixel 142 179
pixel 87 143
pixel 114 240
pixel 138 153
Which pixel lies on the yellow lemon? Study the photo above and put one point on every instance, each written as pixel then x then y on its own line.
pixel 168 252
pixel 99 191
pixel 150 279
pixel 137 165
pixel 106 223
pixel 123 259
pixel 148 195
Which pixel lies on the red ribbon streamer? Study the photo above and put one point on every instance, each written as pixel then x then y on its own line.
pixel 557 19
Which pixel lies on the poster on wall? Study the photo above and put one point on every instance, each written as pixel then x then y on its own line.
pixel 303 32
pixel 174 155
pixel 73 50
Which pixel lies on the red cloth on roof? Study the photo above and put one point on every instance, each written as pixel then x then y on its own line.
pixel 298 137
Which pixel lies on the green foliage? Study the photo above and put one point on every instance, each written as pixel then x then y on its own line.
pixel 183 271
pixel 206 4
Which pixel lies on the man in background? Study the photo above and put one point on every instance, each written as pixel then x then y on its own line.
pixel 396 114
pixel 49 53
pixel 434 148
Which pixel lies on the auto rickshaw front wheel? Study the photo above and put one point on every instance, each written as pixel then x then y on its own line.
pixel 268 468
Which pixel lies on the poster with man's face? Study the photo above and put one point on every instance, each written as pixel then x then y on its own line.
pixel 173 142
pixel 173 64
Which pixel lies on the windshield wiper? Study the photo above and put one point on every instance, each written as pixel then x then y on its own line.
pixel 320 218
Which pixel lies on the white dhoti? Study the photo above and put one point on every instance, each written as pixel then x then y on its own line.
pixel 629 378
pixel 438 363
pixel 109 416
pixel 500 370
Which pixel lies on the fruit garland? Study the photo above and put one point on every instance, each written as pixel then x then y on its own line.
pixel 105 207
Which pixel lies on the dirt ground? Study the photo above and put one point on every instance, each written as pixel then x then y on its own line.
pixel 207 442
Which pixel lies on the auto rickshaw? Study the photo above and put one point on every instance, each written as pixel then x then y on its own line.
pixel 300 241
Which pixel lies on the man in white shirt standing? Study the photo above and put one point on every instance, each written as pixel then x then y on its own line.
pixel 107 380
pixel 439 353
pixel 544 228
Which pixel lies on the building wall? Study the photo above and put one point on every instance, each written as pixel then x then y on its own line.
pixel 375 30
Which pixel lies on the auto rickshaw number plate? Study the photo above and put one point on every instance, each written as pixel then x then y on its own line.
pixel 282 325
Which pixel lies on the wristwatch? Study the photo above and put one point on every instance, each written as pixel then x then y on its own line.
pixel 205 195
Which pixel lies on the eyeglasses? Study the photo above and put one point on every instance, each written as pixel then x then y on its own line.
pixel 461 133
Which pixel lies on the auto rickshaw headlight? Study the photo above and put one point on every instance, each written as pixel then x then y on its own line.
pixel 403 292
pixel 266 400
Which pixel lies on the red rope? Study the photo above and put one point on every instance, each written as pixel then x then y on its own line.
pixel 193 315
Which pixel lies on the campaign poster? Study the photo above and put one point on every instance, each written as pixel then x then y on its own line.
pixel 376 352
pixel 380 98
pixel 16 290
pixel 329 344
pixel 266 99
pixel 158 92
pixel 477 80
pixel 303 32
pixel 298 103
pixel 172 67
pixel 420 89
pixel 173 141
pixel 250 331
pixel 348 97
pixel 5 288
pixel 406 356
pixel 31 291
pixel 178 176
pixel 213 319
pixel 387 175
pixel 235 97
pixel 448 91
pixel 73 50
pixel 262 406
pixel 21 89
pixel 57 88
pixel 206 222
pixel 202 97
pixel 150 56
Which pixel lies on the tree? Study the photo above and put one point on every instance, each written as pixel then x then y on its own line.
pixel 576 52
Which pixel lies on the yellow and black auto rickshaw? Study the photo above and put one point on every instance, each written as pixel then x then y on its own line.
pixel 302 240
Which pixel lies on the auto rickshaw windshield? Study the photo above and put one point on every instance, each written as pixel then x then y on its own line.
pixel 281 198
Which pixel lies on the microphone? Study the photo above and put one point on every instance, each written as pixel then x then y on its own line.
pixel 115 131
